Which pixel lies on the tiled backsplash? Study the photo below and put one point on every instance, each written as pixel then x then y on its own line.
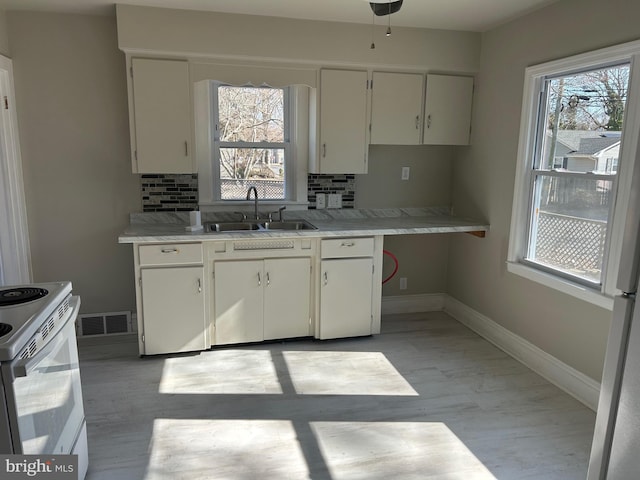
pixel 337 183
pixel 179 193
pixel 169 193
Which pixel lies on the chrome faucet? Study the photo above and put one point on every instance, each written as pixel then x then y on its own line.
pixel 255 201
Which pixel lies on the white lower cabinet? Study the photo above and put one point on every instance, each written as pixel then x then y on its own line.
pixel 346 291
pixel 173 309
pixel 347 288
pixel 259 300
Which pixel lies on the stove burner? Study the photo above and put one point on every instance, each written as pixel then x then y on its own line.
pixel 4 329
pixel 16 296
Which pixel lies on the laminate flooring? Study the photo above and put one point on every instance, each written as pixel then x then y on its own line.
pixel 425 399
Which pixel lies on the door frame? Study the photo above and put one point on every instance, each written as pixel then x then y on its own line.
pixel 15 252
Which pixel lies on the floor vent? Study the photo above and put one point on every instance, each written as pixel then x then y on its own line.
pixel 111 323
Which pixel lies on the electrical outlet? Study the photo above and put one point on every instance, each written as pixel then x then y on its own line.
pixel 321 201
pixel 403 283
pixel 405 173
pixel 334 200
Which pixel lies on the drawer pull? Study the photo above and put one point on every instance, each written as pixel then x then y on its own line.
pixel 259 279
pixel 169 250
pixel 326 279
pixel 268 280
pixel 347 244
pixel 199 286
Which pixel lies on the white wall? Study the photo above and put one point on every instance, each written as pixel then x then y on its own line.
pixel 72 112
pixel 483 180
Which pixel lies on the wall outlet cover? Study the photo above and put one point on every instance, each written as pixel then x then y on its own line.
pixel 321 201
pixel 335 200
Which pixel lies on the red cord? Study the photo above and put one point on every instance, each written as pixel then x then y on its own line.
pixel 395 269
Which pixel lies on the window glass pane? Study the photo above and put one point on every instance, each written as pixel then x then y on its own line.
pixel 583 121
pixel 569 224
pixel 250 114
pixel 241 168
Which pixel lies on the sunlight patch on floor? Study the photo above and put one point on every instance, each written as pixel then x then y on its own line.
pixel 345 373
pixel 205 449
pixel 384 450
pixel 221 372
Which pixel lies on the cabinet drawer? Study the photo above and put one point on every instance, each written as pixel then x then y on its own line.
pixel 171 254
pixel 347 247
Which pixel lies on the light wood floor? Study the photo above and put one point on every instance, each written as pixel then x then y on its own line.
pixel 426 399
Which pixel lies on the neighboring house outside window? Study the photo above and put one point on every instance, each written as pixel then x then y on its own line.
pixel 568 205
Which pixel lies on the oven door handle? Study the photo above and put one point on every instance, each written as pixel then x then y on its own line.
pixel 20 368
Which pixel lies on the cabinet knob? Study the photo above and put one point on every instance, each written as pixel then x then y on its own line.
pixel 268 280
pixel 199 286
pixel 259 279
pixel 326 278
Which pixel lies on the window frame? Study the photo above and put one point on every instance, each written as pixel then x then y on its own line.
pixel 535 77
pixel 209 198
pixel 289 161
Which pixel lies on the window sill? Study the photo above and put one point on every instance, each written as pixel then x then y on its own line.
pixel 562 285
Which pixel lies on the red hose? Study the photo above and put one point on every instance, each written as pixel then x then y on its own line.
pixel 395 269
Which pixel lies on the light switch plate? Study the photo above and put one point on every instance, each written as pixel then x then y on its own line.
pixel 405 173
pixel 321 201
pixel 335 200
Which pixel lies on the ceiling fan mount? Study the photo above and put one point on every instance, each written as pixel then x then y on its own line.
pixel 385 8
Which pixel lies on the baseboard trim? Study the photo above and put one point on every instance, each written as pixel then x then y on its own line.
pixel 581 387
pixel 426 302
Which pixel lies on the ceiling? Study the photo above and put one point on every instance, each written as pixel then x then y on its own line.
pixel 470 15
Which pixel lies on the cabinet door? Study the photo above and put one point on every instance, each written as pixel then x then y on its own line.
pixel 346 291
pixel 286 297
pixel 238 298
pixel 173 309
pixel 343 122
pixel 162 118
pixel 396 108
pixel 448 110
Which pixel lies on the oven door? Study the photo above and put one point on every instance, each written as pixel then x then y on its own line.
pixel 45 396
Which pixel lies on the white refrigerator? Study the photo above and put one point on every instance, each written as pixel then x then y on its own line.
pixel 615 452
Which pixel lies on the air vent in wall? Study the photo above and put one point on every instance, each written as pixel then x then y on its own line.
pixel 111 323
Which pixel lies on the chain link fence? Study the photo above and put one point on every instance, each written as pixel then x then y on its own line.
pixel 236 189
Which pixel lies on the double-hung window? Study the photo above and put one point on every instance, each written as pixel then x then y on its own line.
pixel 251 142
pixel 568 200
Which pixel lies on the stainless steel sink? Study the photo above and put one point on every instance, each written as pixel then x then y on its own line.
pixel 290 225
pixel 231 226
pixel 253 226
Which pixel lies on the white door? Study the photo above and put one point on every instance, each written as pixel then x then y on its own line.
pixel 448 110
pixel 396 108
pixel 343 122
pixel 173 310
pixel 286 300
pixel 346 288
pixel 15 261
pixel 238 298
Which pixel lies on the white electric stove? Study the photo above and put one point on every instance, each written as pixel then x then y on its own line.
pixel 41 408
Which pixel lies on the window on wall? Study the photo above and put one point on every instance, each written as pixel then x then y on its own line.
pixel 569 201
pixel 251 141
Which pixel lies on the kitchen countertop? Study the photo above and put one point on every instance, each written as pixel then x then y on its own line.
pixel 170 227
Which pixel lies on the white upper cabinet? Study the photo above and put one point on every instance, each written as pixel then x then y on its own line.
pixel 343 123
pixel 448 110
pixel 396 108
pixel 161 116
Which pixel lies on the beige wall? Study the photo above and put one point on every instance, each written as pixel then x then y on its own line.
pixel 72 112
pixel 187 32
pixel 422 259
pixel 4 35
pixel 483 181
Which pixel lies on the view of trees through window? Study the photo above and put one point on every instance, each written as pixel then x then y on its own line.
pixel 574 170
pixel 251 141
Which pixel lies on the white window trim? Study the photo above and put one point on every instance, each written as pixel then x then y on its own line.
pixel 534 76
pixel 298 149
